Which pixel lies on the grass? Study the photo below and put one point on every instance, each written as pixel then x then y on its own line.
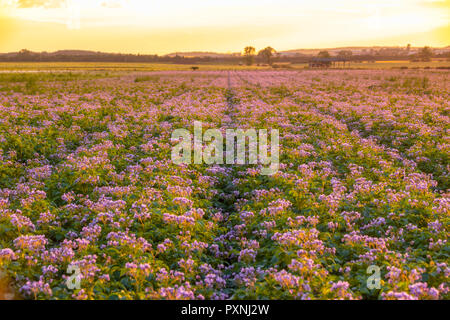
pixel 34 82
pixel 146 78
pixel 410 85
pixel 16 77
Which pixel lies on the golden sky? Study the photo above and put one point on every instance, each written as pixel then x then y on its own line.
pixel 150 26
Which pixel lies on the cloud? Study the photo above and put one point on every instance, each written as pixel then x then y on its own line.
pixel 438 3
pixel 65 3
pixel 112 4
pixel 41 3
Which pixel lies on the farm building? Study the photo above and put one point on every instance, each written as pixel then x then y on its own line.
pixel 327 62
pixel 321 62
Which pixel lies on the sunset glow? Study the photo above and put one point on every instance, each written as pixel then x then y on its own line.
pixel 223 26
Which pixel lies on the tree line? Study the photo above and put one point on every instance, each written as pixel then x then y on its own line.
pixel 249 56
pixel 424 54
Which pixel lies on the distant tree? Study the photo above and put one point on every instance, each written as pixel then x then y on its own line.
pixel 27 55
pixel 324 54
pixel 344 54
pixel 408 48
pixel 267 54
pixel 249 54
pixel 425 54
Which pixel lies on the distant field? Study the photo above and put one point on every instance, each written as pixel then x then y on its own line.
pixel 113 66
pixel 399 64
pixel 32 67
pixel 389 65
